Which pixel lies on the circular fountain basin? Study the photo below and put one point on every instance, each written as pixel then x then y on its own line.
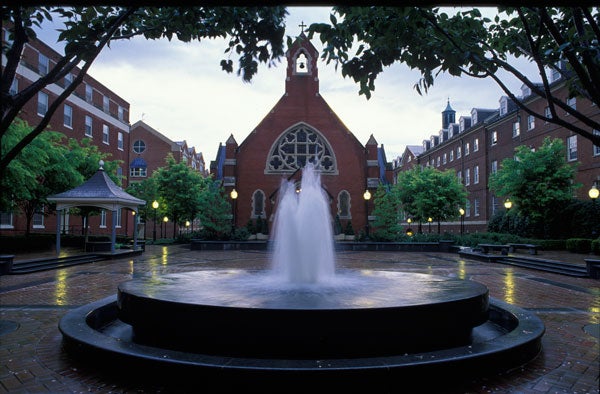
pixel 355 314
pixel 140 329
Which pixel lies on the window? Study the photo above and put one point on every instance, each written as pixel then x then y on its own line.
pixel 120 113
pixel 89 93
pixel 503 105
pixel 344 204
pixel 572 102
pixel 258 204
pixel 467 148
pixel 139 146
pixel 516 128
pixel 459 176
pixel 299 146
pixel 452 155
pixel 494 166
pixel 476 174
pixel 105 104
pixel 103 218
pixel 494 138
pixel 138 172
pixel 68 116
pixel 547 113
pixel 530 122
pixel 105 136
pixel 43 64
pixel 14 86
pixel 68 79
pixel 42 103
pixel 445 158
pixel 468 208
pixel 120 140
pixel 494 204
pixel 37 220
pixel 475 144
pixel 6 220
pixel 458 152
pixel 88 126
pixel 467 176
pixel 438 161
pixel 475 207
pixel 596 148
pixel 572 148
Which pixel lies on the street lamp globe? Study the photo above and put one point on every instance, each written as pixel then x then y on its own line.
pixel 367 195
pixel 594 193
pixel 165 219
pixel 508 204
pixel 461 211
pixel 233 194
pixel 155 204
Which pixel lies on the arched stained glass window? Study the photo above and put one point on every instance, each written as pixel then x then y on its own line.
pixel 258 204
pixel 298 146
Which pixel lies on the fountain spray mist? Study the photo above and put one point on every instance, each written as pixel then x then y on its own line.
pixel 303 240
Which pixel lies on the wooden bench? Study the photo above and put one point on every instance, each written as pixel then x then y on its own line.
pixel 487 248
pixel 530 247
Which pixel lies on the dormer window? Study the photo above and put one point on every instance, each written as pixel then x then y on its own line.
pixel 301 64
pixel 503 106
pixel 474 117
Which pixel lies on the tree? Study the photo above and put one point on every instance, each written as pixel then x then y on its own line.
pixel 539 183
pixel 469 44
pixel 215 211
pixel 429 192
pixel 146 190
pixel 255 35
pixel 386 213
pixel 180 187
pixel 42 169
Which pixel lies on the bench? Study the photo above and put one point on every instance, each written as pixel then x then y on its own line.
pixel 593 268
pixel 530 247
pixel 486 248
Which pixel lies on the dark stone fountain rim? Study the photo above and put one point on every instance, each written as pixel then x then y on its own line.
pixel 82 331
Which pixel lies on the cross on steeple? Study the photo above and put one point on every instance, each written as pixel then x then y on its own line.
pixel 302 26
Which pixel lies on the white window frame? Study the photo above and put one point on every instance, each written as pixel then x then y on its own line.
pixel 475 144
pixel 445 158
pixel 42 103
pixel 120 113
pixel 547 113
pixel 89 93
pixel 596 148
pixel 476 206
pixel 138 172
pixel 467 149
pixel 516 128
pixel 120 142
pixel 572 148
pixel 494 167
pixel 68 116
pixel 458 152
pixel 103 218
pixel 119 216
pixel 89 126
pixel 452 155
pixel 494 138
pixel 105 104
pixel 6 220
pixel 572 102
pixel 467 176
pixel 43 64
pixel 37 221
pixel 14 86
pixel 530 122
pixel 475 175
pixel 105 134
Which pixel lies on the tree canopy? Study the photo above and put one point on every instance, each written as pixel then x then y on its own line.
pixel 255 35
pixel 539 183
pixel 471 44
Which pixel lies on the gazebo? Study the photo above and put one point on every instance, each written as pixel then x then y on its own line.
pixel 98 191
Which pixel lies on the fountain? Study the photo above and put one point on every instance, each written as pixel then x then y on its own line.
pixel 303 321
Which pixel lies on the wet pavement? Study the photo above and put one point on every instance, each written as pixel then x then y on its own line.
pixel 32 359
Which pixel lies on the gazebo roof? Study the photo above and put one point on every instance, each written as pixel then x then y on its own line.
pixel 98 191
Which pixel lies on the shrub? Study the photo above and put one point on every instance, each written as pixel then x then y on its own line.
pixel 349 230
pixel 579 245
pixel 240 234
pixel 596 246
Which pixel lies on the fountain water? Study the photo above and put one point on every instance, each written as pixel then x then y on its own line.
pixel 304 321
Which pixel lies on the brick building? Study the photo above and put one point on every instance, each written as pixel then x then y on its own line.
pixel 95 112
pixel 475 146
pixel 301 128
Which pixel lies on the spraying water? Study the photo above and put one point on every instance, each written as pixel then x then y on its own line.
pixel 303 241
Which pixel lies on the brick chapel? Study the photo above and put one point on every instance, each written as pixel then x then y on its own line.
pixel 299 129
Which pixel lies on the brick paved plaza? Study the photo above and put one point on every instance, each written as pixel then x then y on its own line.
pixel 32 360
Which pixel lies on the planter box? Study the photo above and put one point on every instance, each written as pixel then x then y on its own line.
pixel 197 244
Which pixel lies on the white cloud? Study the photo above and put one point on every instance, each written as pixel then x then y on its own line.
pixel 180 90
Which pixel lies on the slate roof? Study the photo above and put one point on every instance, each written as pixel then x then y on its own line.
pixel 99 189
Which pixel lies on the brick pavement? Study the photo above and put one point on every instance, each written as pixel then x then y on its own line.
pixel 32 360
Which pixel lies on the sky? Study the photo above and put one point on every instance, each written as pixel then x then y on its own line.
pixel 180 90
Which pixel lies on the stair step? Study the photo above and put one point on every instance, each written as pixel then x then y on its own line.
pixel 29 266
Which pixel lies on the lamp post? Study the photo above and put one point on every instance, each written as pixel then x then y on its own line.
pixel 234 196
pixel 367 197
pixel 155 206
pixel 409 230
pixel 462 220
pixel 187 226
pixel 508 206
pixel 594 193
pixel 429 220
pixel 165 220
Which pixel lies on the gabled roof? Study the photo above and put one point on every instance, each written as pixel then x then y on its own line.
pixel 98 191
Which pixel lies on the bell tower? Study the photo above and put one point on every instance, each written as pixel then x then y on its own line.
pixel 302 73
